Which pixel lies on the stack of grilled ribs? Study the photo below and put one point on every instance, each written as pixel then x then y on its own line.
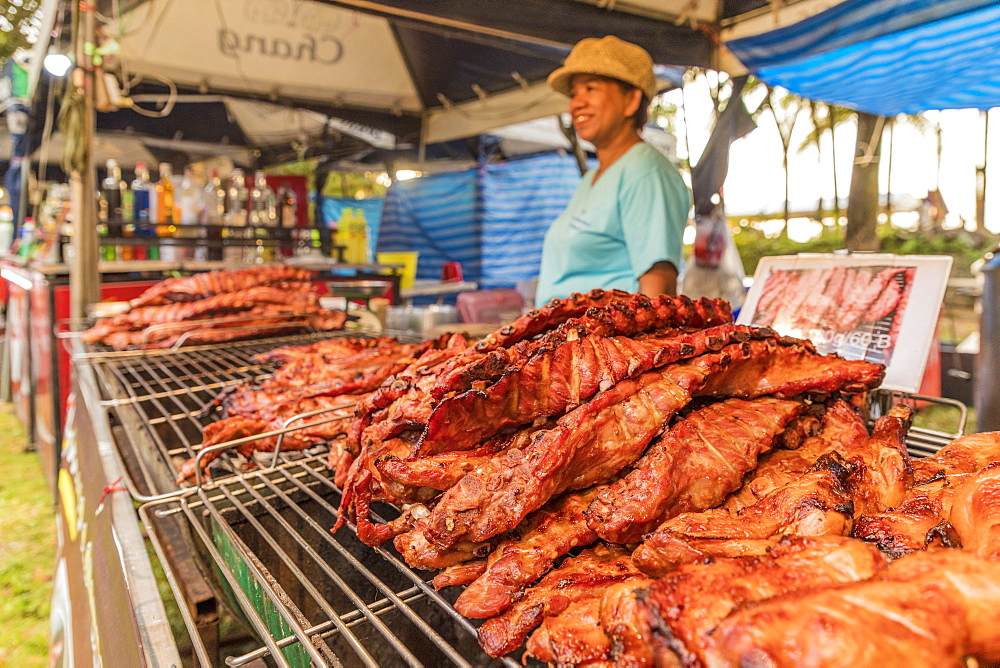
pixel 218 306
pixel 618 480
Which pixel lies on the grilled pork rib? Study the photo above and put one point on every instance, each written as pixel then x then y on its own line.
pixel 210 283
pixel 560 378
pixel 588 445
pixel 668 622
pixel 925 609
pixel 546 535
pixel 693 467
pixel 625 315
pixel 842 430
pixel 577 578
pixel 536 321
pixel 814 505
pixel 596 440
pixel 230 302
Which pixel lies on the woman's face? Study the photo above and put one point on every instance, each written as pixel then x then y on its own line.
pixel 600 109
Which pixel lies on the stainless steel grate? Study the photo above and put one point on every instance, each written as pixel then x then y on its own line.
pixel 157 398
pixel 315 598
pixel 922 441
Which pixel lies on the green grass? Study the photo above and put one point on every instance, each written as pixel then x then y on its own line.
pixel 27 548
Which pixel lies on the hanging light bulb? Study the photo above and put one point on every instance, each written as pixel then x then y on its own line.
pixel 57 64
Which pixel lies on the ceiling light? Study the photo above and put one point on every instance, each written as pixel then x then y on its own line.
pixel 57 64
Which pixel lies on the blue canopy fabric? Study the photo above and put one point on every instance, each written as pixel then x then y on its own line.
pixel 521 198
pixel 437 216
pixel 886 57
pixel 492 218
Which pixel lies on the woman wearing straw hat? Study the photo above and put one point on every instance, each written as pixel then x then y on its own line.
pixel 623 227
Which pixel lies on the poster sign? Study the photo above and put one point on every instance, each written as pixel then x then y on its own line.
pixel 879 308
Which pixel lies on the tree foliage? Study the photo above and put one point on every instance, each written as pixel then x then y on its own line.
pixel 18 26
pixel 964 246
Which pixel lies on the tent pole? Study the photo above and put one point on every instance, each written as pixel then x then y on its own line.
pixel 84 278
pixel 981 175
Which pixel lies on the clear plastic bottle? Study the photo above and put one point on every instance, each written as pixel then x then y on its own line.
pixel 140 210
pixel 213 211
pixel 188 203
pixel 26 248
pixel 236 217
pixel 166 225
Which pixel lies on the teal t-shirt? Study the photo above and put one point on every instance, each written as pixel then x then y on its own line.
pixel 614 230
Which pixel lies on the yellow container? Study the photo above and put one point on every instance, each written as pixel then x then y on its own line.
pixel 407 260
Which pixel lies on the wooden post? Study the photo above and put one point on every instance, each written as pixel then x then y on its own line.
pixel 84 278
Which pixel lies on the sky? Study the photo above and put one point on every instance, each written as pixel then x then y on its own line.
pixel 756 179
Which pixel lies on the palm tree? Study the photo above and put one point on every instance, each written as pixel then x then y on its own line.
pixel 785 108
pixel 862 205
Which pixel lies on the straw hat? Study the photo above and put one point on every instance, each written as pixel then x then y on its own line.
pixel 608 57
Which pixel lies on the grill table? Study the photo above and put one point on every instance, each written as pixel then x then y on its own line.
pixel 316 598
pixel 259 538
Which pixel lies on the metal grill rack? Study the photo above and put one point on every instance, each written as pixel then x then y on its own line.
pixel 156 399
pixel 921 441
pixel 315 598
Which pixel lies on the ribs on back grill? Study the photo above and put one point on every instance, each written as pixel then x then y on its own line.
pixel 211 283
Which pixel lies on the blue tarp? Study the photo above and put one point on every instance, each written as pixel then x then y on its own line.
pixel 886 56
pixel 492 219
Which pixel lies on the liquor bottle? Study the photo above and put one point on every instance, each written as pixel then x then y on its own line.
pixel 110 211
pixel 140 210
pixel 128 221
pixel 236 216
pixel 287 201
pixel 166 226
pixel 263 217
pixel 213 211
pixel 288 220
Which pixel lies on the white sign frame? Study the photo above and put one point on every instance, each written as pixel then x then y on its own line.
pixel 797 295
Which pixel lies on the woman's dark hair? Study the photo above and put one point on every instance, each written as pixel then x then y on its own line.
pixel 641 114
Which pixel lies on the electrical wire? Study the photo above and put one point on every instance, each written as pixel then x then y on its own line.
pixel 168 105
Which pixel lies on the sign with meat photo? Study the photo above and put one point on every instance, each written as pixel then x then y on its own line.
pixel 858 306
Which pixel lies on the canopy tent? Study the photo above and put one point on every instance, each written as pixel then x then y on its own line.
pixel 885 57
pixel 394 72
pixel 418 76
